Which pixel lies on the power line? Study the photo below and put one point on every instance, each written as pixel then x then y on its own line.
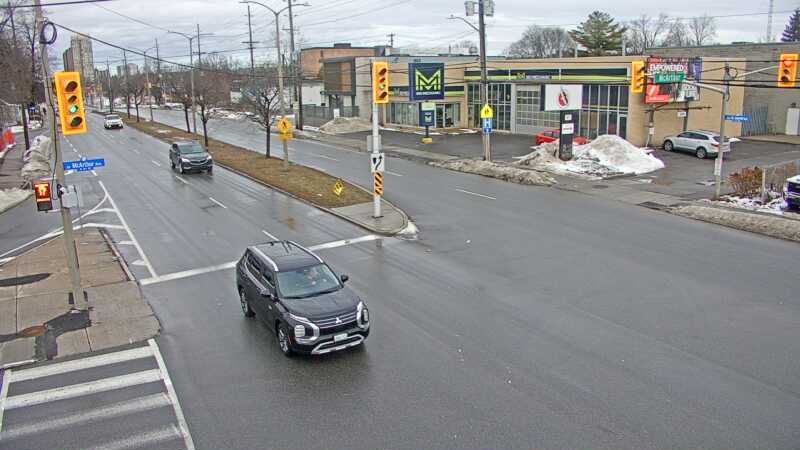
pixel 74 2
pixel 350 16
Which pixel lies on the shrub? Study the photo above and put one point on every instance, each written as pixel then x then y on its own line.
pixel 746 182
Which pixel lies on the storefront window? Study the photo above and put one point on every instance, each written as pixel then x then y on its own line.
pixel 404 113
pixel 499 99
pixel 605 110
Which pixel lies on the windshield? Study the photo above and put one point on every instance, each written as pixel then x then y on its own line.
pixel 190 148
pixel 307 281
pixel 112 117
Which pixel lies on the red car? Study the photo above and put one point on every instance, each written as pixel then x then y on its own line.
pixel 552 136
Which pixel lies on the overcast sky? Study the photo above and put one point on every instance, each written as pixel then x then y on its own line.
pixel 416 23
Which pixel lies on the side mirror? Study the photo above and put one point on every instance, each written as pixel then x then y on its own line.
pixel 344 278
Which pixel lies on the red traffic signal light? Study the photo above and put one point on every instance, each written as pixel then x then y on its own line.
pixel 638 77
pixel 44 199
pixel 787 70
pixel 380 82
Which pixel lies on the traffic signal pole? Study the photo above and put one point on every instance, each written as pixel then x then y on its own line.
pixel 376 148
pixel 66 218
pixel 487 146
pixel 721 149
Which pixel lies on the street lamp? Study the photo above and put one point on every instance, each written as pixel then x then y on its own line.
pixel 147 81
pixel 484 8
pixel 280 71
pixel 191 64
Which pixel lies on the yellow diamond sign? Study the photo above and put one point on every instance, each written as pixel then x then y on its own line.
pixel 283 125
pixel 487 112
pixel 338 187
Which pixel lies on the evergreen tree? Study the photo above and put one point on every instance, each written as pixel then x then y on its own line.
pixel 599 35
pixel 792 31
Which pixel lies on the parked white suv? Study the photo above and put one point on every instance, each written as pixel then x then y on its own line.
pixel 701 143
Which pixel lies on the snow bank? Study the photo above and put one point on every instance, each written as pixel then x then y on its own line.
pixel 606 156
pixel 341 125
pixel 794 179
pixel 774 226
pixel 501 171
pixel 12 197
pixel 774 206
pixel 37 160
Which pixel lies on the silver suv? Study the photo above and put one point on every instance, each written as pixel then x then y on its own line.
pixel 112 121
pixel 701 143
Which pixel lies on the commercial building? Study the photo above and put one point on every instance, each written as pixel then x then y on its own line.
pixel 79 58
pixel 515 87
pixel 133 69
pixel 311 57
pixel 766 106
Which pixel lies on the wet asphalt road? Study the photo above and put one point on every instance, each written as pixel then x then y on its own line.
pixel 521 318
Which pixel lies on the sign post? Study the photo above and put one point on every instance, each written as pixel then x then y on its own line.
pixel 567 99
pixel 486 114
pixel 427 118
pixel 566 132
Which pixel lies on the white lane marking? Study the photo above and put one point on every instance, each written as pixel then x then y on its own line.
pixel 181 180
pixel 270 235
pixel 128 230
pixel 156 163
pixel 323 156
pixel 4 382
pixel 81 364
pixel 343 242
pixel 144 439
pixel 125 243
pixel 184 428
pixel 187 273
pixel 81 389
pixel 475 194
pixel 389 172
pixel 217 202
pixel 69 172
pixel 119 409
pixel 94 173
pixel 99 225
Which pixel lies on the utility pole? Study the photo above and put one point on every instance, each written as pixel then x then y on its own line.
pixel 66 219
pixel 391 39
pixel 280 88
pixel 487 146
pixel 110 92
pixel 769 20
pixel 158 73
pixel 191 76
pixel 250 42
pixel 718 163
pixel 147 82
pixel 298 94
pixel 127 88
pixel 200 67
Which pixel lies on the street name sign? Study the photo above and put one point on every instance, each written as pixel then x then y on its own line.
pixel 84 165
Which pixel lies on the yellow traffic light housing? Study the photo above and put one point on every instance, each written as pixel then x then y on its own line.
pixel 70 102
pixel 44 200
pixel 638 76
pixel 787 70
pixel 380 82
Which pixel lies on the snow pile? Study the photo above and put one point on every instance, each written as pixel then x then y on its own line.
pixel 37 160
pixel 606 156
pixel 774 206
pixel 11 197
pixel 506 172
pixel 341 125
pixel 769 225
pixel 794 179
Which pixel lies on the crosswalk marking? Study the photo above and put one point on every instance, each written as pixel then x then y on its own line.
pixel 79 390
pixel 81 364
pixel 76 411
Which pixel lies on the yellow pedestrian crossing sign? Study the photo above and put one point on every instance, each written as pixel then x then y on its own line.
pixel 487 112
pixel 283 125
pixel 338 187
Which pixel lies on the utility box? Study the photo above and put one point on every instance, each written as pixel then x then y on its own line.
pixel 793 121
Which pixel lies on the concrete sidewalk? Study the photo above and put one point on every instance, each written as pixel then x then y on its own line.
pixel 36 320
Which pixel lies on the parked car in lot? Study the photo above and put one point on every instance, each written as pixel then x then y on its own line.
pixel 300 298
pixel 792 192
pixel 190 156
pixel 552 135
pixel 112 121
pixel 701 143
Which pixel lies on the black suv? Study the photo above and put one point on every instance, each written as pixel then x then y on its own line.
pixel 190 156
pixel 303 302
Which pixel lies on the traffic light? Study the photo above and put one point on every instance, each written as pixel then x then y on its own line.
pixel 70 102
pixel 380 82
pixel 44 200
pixel 787 71
pixel 637 77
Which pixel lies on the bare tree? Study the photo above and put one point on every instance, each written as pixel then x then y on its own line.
pixel 466 46
pixel 678 35
pixel 542 42
pixel 260 96
pixel 136 90
pixel 212 87
pixel 702 30
pixel 177 85
pixel 645 32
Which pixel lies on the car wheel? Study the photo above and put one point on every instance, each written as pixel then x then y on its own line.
pixel 245 304
pixel 283 340
pixel 210 170
pixel 701 153
pixel 172 164
pixel 668 146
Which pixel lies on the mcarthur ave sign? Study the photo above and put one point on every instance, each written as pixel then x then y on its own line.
pixel 425 81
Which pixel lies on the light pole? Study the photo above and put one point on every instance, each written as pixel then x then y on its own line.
pixel 298 78
pixel 485 8
pixel 147 81
pixel 280 72
pixel 191 64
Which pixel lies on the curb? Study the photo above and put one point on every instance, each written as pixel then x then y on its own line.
pixel 742 210
pixel 674 211
pixel 117 254
pixel 323 208
pixel 14 205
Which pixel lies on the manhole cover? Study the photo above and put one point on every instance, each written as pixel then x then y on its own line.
pixel 599 186
pixel 36 330
pixel 27 279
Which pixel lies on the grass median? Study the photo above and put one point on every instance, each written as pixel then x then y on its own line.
pixel 304 182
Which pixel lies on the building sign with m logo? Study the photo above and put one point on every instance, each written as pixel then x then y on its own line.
pixel 425 81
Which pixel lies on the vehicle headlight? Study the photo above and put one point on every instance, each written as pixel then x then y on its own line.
pixel 184 160
pixel 365 315
pixel 362 315
pixel 299 331
pixel 209 158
